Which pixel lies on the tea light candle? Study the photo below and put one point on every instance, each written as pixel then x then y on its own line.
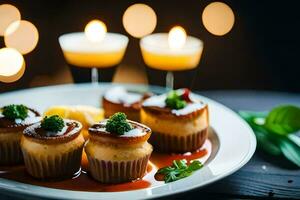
pixel 171 52
pixel 93 48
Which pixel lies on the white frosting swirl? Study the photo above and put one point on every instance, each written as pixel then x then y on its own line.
pixel 121 96
pixel 159 101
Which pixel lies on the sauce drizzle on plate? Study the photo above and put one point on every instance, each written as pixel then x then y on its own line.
pixel 83 182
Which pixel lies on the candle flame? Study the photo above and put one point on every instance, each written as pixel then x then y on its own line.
pixel 177 37
pixel 95 31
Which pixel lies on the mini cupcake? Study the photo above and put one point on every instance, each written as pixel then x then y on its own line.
pixel 179 123
pixel 118 150
pixel 13 120
pixel 52 148
pixel 118 99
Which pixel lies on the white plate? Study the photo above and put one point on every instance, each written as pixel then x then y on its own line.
pixel 236 143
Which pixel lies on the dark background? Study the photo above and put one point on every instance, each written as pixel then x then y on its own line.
pixel 261 51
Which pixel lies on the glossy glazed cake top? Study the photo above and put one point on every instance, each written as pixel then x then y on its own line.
pixel 158 103
pixel 120 95
pixel 33 117
pixel 138 133
pixel 71 129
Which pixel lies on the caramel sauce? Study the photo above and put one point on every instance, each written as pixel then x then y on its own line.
pixel 162 160
pixel 83 182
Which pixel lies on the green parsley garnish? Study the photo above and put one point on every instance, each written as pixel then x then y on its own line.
pixel 276 130
pixel 53 123
pixel 117 124
pixel 13 111
pixel 175 101
pixel 179 170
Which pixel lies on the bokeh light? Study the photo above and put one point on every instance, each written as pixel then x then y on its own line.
pixel 139 20
pixel 176 37
pixel 12 65
pixel 21 35
pixel 218 18
pixel 17 76
pixel 8 14
pixel 95 30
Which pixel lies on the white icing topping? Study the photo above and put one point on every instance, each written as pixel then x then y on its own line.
pixel 32 129
pixel 136 132
pixel 159 101
pixel 189 108
pixel 59 133
pixel 30 119
pixel 121 95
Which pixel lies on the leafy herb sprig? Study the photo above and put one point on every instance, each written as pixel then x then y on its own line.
pixel 275 131
pixel 179 169
pixel 117 124
pixel 13 111
pixel 177 101
pixel 53 123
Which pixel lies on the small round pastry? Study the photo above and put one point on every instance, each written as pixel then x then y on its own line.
pixel 86 115
pixel 118 99
pixel 13 120
pixel 179 123
pixel 52 148
pixel 118 150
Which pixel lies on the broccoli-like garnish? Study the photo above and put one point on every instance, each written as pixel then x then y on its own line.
pixel 117 124
pixel 175 101
pixel 13 111
pixel 53 123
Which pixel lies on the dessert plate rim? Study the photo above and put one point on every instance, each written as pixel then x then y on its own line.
pixel 216 169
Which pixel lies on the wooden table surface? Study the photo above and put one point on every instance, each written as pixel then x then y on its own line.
pixel 264 176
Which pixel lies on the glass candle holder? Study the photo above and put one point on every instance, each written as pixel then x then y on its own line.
pixel 158 54
pixel 80 52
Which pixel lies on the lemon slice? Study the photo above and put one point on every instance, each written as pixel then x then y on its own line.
pixel 86 115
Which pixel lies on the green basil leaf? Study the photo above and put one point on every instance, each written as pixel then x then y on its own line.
pixel 290 150
pixel 184 174
pixel 266 143
pixel 258 128
pixel 169 178
pixel 283 120
pixel 172 176
pixel 265 140
pixel 250 114
pixel 294 138
pixel 179 170
pixel 175 164
pixel 195 165
pixel 165 170
pixel 180 164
